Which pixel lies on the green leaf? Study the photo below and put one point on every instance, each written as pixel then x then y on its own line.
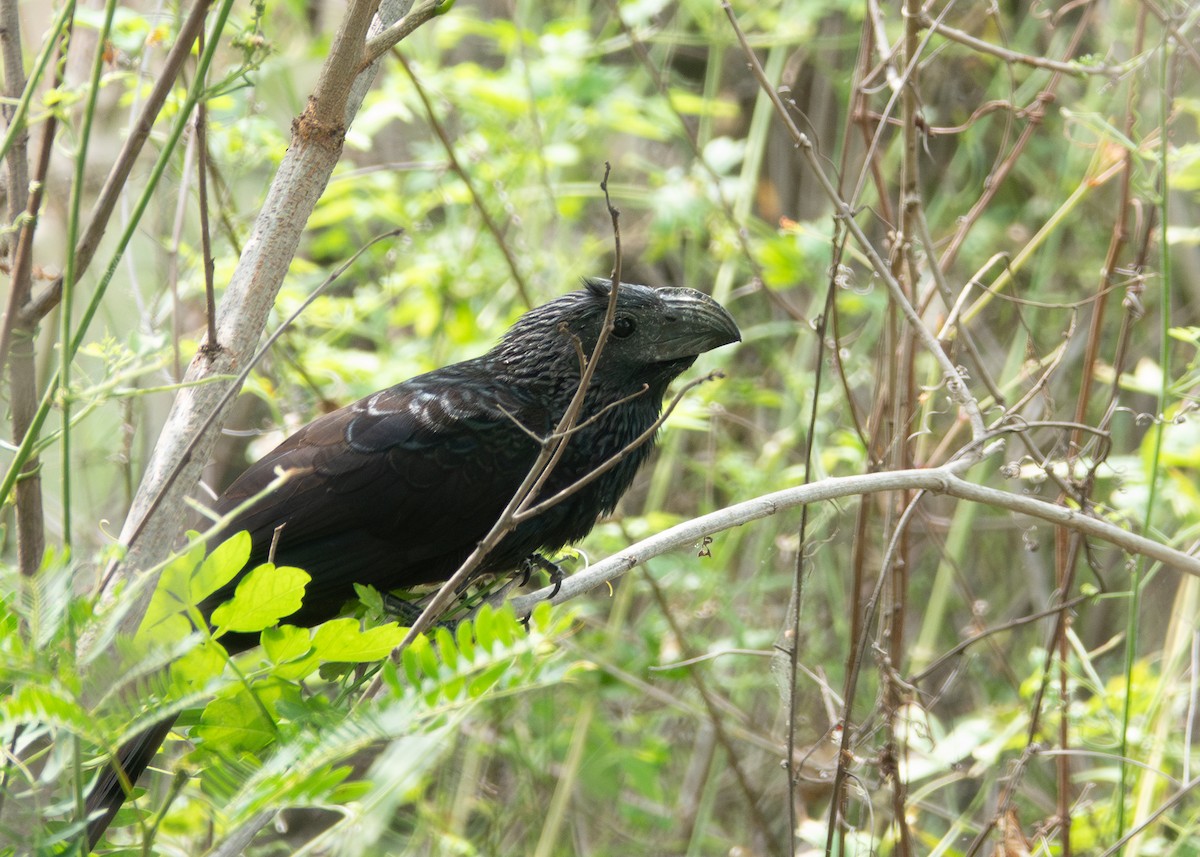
pixel 291 650
pixel 445 645
pixel 391 677
pixel 466 639
pixel 411 660
pixel 371 597
pixel 342 640
pixel 352 791
pixel 487 678
pixel 221 566
pixel 694 104
pixel 506 627
pixel 317 785
pixel 453 688
pixel 285 643
pixel 199 665
pixel 46 705
pixel 174 591
pixel 236 723
pixel 484 623
pixel 428 662
pixel 542 618
pixel 265 595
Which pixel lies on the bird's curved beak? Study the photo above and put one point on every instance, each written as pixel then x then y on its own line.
pixel 692 323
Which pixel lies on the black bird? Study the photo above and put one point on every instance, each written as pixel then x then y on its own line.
pixel 397 489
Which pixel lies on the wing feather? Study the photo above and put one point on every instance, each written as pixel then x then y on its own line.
pixel 391 490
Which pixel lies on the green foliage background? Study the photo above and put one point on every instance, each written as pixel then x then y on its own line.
pixel 601 729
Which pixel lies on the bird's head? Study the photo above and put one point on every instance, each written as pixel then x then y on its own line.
pixel 656 333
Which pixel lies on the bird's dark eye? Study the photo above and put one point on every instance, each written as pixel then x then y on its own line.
pixel 623 326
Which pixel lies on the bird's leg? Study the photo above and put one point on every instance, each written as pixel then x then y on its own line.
pixel 407 612
pixel 538 562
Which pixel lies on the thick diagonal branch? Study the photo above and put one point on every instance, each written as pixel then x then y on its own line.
pixel 316 146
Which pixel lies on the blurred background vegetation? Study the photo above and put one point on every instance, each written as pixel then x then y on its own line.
pixel 1051 157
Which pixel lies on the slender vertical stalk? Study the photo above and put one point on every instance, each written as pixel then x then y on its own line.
pixel 206 258
pixel 69 273
pixel 15 321
pixel 23 378
pixel 1164 362
pixel 30 437
pixel 893 618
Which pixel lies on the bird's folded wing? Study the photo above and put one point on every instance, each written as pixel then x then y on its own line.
pixel 420 469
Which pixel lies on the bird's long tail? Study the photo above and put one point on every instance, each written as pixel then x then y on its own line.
pixel 107 796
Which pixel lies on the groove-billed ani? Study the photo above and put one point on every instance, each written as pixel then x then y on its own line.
pixel 397 489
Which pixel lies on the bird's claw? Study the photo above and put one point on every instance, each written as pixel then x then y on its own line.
pixel 540 563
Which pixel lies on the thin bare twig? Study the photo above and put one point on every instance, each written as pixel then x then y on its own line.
pixel 1163 807
pixel 1073 68
pixel 206 258
pixel 448 145
pixel 589 368
pixel 936 664
pixel 1180 38
pixel 537 438
pixel 31 313
pixel 716 720
pixel 954 383
pixel 1068 545
pixel 388 38
pixel 549 456
pixel 615 459
pixel 775 297
pixel 30 522
pixel 172 273
pixel 1034 113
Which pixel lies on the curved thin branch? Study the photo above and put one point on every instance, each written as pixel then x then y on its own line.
pixel 1071 67
pixel 489 222
pixel 938 480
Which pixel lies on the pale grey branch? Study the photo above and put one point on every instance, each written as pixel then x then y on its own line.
pixel 937 480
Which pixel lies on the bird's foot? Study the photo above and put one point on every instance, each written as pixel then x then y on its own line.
pixel 537 562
